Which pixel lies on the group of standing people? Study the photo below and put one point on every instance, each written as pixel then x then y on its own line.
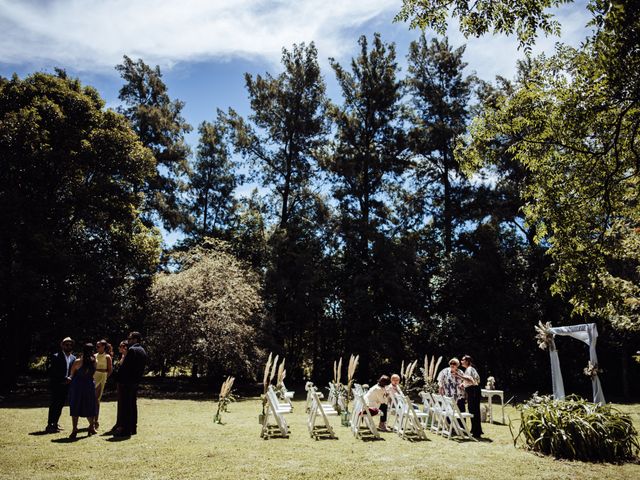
pixel 462 386
pixel 83 379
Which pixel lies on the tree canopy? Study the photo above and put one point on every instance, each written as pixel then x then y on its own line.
pixel 74 253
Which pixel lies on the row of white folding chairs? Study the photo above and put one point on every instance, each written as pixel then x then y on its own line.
pixel 444 417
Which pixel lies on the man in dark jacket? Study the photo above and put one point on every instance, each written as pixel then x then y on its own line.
pixel 129 376
pixel 59 366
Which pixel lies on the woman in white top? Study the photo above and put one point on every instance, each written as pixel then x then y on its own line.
pixel 471 382
pixel 376 399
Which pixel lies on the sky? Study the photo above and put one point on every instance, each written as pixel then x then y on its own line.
pixel 204 47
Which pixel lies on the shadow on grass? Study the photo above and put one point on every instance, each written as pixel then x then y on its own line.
pixel 70 440
pixel 119 438
pixel 484 440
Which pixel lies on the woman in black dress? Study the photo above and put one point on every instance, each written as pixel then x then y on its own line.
pixel 82 392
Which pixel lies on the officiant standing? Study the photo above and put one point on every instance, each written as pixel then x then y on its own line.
pixel 129 376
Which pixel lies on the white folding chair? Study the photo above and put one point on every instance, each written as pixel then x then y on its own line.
pixel 428 406
pixel 308 388
pixel 455 419
pixel 438 417
pixel 276 410
pixel 361 415
pixel 286 395
pixel 461 421
pixel 324 410
pixel 393 409
pixel 411 421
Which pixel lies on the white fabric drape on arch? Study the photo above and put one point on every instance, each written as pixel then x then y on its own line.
pixel 587 333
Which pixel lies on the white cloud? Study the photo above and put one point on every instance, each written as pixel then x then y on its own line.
pixel 94 34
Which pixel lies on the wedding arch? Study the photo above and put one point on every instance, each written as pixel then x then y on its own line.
pixel 587 333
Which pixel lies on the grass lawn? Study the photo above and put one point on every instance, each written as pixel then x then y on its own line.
pixel 178 440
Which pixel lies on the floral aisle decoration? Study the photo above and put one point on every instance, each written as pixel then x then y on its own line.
pixel 224 399
pixel 429 373
pixel 407 379
pixel 267 378
pixel 281 390
pixel 351 371
pixel 337 392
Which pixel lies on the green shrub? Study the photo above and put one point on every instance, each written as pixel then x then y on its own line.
pixel 576 430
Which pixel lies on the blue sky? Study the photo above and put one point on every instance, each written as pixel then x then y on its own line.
pixel 204 47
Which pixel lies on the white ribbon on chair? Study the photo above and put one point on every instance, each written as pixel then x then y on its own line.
pixel 587 333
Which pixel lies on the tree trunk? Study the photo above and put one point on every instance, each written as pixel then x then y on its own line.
pixel 447 227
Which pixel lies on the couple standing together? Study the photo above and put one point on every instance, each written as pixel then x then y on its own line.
pixel 463 387
pixel 83 379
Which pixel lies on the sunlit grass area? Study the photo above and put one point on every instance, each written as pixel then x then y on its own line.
pixel 177 439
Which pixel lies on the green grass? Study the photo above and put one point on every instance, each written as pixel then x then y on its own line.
pixel 177 439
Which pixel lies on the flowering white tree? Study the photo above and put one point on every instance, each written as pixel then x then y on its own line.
pixel 205 314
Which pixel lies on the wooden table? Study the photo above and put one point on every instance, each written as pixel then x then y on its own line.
pixel 490 394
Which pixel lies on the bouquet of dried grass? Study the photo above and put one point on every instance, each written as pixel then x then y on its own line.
pixel 351 370
pixel 224 399
pixel 269 374
pixel 337 395
pixel 280 388
pixel 576 429
pixel 407 379
pixel 429 372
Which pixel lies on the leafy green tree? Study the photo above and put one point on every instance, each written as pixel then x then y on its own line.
pixel 75 258
pixel 212 182
pixel 578 144
pixel 440 96
pixel 573 124
pixel 207 313
pixel 286 128
pixel 280 142
pixel 159 123
pixel 525 18
pixel 367 159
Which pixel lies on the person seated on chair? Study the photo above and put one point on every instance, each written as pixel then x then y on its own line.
pixel 376 398
pixel 394 387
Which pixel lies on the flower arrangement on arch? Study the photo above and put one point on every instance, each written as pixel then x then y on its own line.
pixel 592 370
pixel 543 336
